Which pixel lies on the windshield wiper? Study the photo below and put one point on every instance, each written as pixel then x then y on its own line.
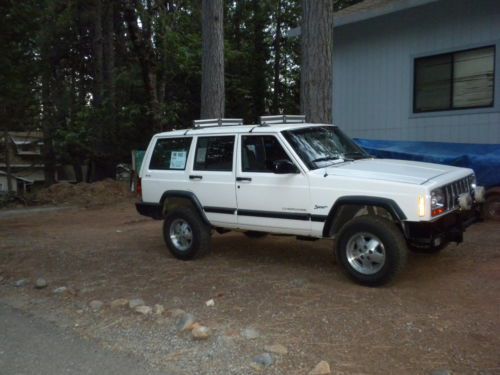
pixel 363 155
pixel 325 158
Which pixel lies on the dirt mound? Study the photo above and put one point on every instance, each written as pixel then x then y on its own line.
pixel 85 194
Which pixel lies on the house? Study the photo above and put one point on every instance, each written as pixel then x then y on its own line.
pixel 26 162
pixel 418 70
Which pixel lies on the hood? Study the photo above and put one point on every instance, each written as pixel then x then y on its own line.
pixel 409 172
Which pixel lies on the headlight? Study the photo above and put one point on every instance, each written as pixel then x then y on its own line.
pixel 472 180
pixel 437 202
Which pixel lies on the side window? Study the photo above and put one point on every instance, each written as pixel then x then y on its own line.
pixel 259 152
pixel 214 154
pixel 170 154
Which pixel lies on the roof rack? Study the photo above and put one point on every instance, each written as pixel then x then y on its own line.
pixel 206 123
pixel 282 119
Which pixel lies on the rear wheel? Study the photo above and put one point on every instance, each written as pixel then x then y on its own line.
pixel 185 234
pixel 371 250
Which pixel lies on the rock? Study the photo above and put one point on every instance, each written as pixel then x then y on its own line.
pixel 133 303
pixel 250 333
pixel 276 349
pixel 144 310
pixel 119 302
pixel 96 305
pixel 176 312
pixel 60 290
pixel 158 309
pixel 200 332
pixel 262 360
pixel 1 279
pixel 210 303
pixel 40 283
pixel 441 372
pixel 21 282
pixel 185 322
pixel 322 368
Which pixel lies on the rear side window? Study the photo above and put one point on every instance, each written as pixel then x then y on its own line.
pixel 170 154
pixel 214 154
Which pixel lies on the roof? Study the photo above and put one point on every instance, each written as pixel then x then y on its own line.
pixel 367 9
pixel 255 129
pixel 17 177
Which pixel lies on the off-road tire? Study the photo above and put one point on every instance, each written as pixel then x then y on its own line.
pixel 255 234
pixel 200 244
pixel 391 238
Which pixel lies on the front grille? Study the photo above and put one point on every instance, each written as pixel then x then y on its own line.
pixel 453 190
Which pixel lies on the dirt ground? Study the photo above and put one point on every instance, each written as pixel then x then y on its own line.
pixel 443 312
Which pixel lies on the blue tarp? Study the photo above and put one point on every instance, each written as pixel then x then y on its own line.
pixel 484 159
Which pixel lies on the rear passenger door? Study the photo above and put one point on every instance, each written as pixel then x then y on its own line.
pixel 212 177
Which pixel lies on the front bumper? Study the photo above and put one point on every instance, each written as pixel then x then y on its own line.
pixel 152 210
pixel 448 228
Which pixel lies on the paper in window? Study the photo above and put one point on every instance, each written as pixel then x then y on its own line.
pixel 178 159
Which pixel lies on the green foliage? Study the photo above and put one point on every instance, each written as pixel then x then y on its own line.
pixel 48 66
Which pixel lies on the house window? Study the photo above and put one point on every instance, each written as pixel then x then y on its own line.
pixel 458 80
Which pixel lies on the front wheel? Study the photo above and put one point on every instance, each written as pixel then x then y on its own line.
pixel 371 250
pixel 186 235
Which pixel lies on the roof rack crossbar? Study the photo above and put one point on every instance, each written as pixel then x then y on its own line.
pixel 217 122
pixel 282 119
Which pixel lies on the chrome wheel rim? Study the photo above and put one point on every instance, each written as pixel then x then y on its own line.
pixel 365 253
pixel 181 234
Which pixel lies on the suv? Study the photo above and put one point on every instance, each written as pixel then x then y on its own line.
pixel 311 181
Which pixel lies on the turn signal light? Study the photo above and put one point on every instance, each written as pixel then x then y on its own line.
pixel 437 211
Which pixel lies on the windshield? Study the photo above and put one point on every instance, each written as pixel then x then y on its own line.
pixel 321 146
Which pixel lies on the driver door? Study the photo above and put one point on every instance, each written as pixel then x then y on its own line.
pixel 268 201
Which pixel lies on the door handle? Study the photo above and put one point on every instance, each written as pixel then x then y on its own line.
pixel 248 179
pixel 195 177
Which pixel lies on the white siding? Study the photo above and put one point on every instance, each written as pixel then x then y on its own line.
pixel 373 72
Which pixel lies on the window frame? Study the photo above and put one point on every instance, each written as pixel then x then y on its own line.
pixel 193 166
pixel 452 54
pixel 188 149
pixel 264 135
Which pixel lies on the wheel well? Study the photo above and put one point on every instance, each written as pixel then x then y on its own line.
pixel 346 212
pixel 174 199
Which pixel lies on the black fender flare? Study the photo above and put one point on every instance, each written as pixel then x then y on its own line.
pixel 189 195
pixel 361 200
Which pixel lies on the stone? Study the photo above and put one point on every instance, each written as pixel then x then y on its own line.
pixel 21 282
pixel 276 349
pixel 158 309
pixel 96 305
pixel 40 283
pixel 185 322
pixel 200 332
pixel 322 368
pixel 1 279
pixel 176 312
pixel 60 290
pixel 144 310
pixel 119 302
pixel 210 303
pixel 250 333
pixel 441 372
pixel 262 360
pixel 133 303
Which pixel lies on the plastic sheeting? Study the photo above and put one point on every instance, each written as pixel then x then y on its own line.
pixel 484 159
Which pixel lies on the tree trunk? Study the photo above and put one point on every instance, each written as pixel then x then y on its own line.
pixel 97 43
pixel 317 60
pixel 259 65
pixel 277 62
pixel 109 55
pixel 212 73
pixel 7 160
pixel 47 127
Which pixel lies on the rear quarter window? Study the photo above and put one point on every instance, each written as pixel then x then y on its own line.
pixel 170 154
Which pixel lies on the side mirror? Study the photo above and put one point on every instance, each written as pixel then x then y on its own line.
pixel 284 167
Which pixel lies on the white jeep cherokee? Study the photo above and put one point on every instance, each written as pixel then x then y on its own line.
pixel 307 180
